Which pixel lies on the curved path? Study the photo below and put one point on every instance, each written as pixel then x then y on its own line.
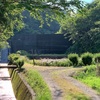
pixel 53 75
pixel 86 90
pixel 46 72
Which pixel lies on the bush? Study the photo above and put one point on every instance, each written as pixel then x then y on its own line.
pixel 19 63
pixel 80 63
pixel 14 59
pixel 97 57
pixel 22 52
pixel 87 58
pixel 73 58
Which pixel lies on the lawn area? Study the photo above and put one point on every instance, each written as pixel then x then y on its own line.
pixel 89 77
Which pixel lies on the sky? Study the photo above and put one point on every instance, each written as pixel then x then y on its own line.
pixel 87 1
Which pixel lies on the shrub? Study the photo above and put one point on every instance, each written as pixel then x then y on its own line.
pixel 80 63
pixel 73 58
pixel 97 57
pixel 87 58
pixel 18 52
pixel 14 59
pixel 19 63
pixel 22 52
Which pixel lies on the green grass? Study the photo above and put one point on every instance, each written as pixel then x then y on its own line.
pixel 93 82
pixel 77 97
pixel 89 77
pixel 38 85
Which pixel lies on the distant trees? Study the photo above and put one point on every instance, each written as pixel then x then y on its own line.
pixel 33 26
pixel 84 29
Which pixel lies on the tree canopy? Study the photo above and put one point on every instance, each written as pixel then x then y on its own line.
pixel 33 26
pixel 84 29
pixel 11 12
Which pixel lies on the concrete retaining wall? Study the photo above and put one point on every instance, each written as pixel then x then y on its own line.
pixel 21 89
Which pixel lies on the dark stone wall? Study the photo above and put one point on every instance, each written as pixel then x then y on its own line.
pixel 40 43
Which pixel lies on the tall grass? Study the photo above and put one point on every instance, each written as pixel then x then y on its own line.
pixel 37 83
pixel 48 62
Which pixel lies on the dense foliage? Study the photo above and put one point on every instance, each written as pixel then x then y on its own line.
pixel 11 12
pixel 33 26
pixel 84 29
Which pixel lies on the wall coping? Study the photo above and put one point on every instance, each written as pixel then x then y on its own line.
pixel 8 66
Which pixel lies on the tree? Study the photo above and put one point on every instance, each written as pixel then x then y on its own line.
pixel 32 26
pixel 11 12
pixel 84 29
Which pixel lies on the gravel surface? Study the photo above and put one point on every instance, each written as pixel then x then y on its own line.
pixel 86 90
pixel 57 92
pixel 46 72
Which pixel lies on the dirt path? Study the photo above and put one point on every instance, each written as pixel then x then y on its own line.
pixel 60 83
pixel 46 72
pixel 86 90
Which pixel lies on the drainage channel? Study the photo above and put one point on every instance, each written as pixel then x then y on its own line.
pixel 6 90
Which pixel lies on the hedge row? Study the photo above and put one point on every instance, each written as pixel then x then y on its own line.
pixel 84 59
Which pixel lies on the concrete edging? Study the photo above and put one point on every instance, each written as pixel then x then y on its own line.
pixel 21 88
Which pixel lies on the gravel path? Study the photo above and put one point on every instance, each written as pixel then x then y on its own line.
pixel 86 90
pixel 56 90
pixel 57 93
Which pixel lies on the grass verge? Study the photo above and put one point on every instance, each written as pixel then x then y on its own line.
pixel 89 77
pixel 39 86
